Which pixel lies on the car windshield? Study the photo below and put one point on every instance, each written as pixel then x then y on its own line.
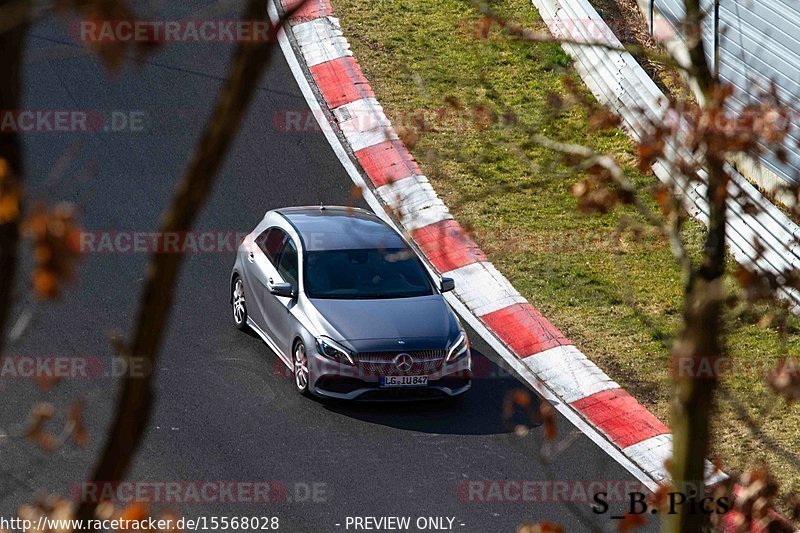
pixel 365 274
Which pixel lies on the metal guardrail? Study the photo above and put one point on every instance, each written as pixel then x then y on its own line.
pixel 617 80
pixel 752 47
pixel 651 11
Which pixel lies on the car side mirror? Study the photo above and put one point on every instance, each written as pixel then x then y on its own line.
pixel 447 284
pixel 282 289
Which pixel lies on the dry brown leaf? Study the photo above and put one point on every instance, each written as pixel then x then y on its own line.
pixel 541 527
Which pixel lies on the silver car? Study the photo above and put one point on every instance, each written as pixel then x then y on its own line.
pixel 349 307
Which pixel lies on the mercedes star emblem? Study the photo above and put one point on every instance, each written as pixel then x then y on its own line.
pixel 403 362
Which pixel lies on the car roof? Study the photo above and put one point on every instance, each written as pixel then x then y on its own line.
pixel 340 228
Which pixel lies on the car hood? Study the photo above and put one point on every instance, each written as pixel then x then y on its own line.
pixel 424 317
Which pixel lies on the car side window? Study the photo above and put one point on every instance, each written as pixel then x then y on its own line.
pixel 288 264
pixel 270 242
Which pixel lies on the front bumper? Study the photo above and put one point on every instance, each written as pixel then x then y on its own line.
pixel 346 382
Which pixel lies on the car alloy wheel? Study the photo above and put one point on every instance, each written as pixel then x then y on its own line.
pixel 239 305
pixel 301 367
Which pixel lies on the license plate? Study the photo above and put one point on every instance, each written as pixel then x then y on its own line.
pixel 404 381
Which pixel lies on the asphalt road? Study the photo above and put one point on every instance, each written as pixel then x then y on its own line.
pixel 225 409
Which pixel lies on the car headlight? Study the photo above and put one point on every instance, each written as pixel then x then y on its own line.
pixel 458 349
pixel 333 351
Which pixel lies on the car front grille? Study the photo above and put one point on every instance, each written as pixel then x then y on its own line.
pixel 382 363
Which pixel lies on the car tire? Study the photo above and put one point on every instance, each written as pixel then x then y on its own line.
pixel 302 372
pixel 238 304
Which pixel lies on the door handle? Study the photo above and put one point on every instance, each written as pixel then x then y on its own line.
pixel 251 257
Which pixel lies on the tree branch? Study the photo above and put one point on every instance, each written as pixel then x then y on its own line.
pixel 250 60
pixel 11 48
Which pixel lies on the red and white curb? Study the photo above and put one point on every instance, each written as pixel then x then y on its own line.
pixel 368 147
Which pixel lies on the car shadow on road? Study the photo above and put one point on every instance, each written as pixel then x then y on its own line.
pixel 496 403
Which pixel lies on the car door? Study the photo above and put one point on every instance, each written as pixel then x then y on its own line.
pixel 261 267
pixel 280 312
